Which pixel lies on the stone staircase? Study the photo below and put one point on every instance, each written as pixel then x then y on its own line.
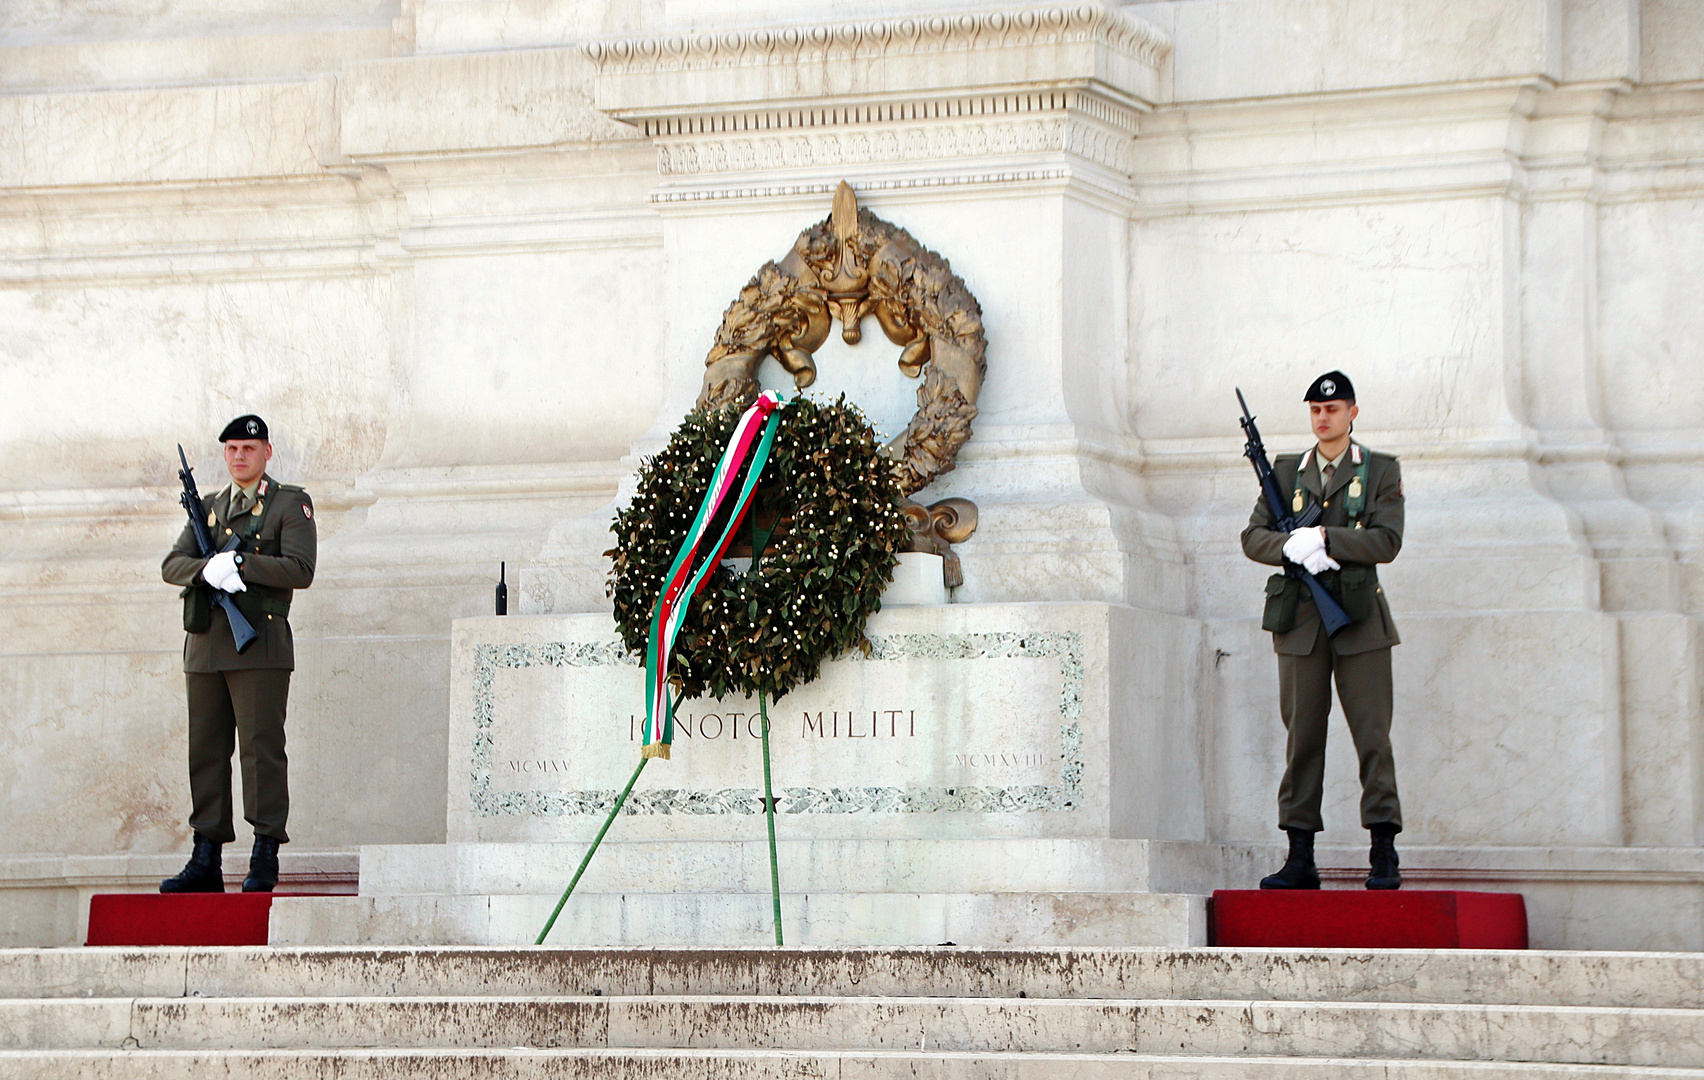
pixel 944 1013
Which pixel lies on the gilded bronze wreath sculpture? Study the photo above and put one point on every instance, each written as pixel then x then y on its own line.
pixel 847 266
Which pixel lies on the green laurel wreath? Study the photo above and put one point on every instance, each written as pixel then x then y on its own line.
pixel 814 585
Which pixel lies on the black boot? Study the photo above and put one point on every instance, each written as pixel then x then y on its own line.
pixel 1383 858
pixel 202 873
pixel 1299 871
pixel 263 866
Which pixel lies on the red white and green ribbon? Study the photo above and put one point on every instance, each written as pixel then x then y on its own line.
pixel 756 427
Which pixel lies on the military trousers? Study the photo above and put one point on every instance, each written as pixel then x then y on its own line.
pixel 1304 696
pixel 228 710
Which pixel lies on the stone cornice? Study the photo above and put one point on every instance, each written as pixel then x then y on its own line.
pixel 886 37
pixel 656 81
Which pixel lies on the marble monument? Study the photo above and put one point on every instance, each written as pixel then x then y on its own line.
pixel 467 257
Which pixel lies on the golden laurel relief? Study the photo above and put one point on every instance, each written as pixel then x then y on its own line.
pixel 847 266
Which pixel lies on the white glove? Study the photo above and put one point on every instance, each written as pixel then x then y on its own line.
pixel 1304 542
pixel 1319 562
pixel 221 573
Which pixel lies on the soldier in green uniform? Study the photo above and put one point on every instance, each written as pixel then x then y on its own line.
pixel 1360 495
pixel 239 698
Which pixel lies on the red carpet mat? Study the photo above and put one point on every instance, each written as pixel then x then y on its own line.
pixel 1356 919
pixel 179 919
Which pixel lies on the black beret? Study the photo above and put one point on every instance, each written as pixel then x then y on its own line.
pixel 1332 386
pixel 249 426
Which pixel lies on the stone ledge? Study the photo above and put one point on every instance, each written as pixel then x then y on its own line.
pixel 722 919
pixel 1529 977
pixel 687 1064
pixel 325 871
pixel 878 71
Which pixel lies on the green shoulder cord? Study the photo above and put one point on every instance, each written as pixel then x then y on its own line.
pixel 1356 502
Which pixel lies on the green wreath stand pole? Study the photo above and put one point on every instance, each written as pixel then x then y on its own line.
pixel 620 801
pixel 593 850
pixel 769 810
pixel 760 537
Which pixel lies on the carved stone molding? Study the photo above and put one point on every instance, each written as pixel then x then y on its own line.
pixel 989 105
pixel 780 190
pixel 1069 79
pixel 923 35
pixel 1111 149
pixel 886 96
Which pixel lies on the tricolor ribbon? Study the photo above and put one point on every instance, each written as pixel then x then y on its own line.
pixel 757 426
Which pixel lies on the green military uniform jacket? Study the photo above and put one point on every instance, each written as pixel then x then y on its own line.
pixel 1375 538
pixel 278 558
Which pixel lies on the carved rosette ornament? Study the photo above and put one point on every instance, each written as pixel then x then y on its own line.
pixel 847 266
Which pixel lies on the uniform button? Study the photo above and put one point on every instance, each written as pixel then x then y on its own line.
pixel 227 532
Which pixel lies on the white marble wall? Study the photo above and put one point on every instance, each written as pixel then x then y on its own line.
pixel 467 267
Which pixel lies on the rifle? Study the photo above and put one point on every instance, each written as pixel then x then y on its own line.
pixel 1330 611
pixel 191 500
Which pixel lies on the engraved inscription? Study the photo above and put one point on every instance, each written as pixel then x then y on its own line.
pixel 546 740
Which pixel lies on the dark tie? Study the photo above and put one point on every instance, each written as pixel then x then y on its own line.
pixel 1330 471
pixel 239 502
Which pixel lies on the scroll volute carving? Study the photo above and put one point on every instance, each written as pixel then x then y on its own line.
pixel 937 527
pixel 850 265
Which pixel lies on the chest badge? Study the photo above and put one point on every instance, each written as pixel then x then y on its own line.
pixel 1296 503
pixel 259 508
pixel 212 520
pixel 1355 488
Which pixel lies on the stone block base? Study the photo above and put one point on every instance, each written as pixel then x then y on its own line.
pixel 843 919
pixel 993 890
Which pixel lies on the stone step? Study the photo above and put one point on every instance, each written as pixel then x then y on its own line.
pixel 720 919
pixel 1534 978
pixel 807 865
pixel 1560 1034
pixel 678 1064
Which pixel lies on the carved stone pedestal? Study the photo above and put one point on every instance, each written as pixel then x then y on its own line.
pixel 972 779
